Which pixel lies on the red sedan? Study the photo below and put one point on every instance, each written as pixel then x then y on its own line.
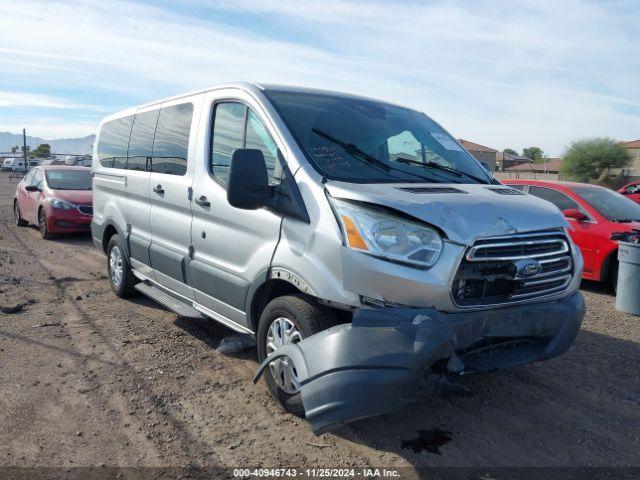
pixel 56 198
pixel 631 191
pixel 594 214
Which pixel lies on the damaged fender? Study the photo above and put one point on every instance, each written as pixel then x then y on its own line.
pixel 379 363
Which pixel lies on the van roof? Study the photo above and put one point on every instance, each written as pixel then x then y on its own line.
pixel 245 86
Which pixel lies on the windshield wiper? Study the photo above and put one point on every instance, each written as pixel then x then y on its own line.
pixel 444 168
pixel 359 154
pixel 625 220
pixel 352 149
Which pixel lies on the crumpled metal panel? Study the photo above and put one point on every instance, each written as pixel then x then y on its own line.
pixel 379 362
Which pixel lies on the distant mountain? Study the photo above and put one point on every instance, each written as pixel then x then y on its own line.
pixel 61 145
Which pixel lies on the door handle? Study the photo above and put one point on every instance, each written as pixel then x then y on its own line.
pixel 203 202
pixel 158 189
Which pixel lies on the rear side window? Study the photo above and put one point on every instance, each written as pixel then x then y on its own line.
pixel 560 200
pixel 171 144
pixel 113 142
pixel 237 126
pixel 141 142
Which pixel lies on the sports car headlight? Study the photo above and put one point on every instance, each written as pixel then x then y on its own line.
pixel 382 234
pixel 57 203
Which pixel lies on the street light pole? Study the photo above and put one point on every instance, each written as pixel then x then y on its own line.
pixel 24 147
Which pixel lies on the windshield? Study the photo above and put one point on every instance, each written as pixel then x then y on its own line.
pixel 69 179
pixel 610 204
pixel 364 141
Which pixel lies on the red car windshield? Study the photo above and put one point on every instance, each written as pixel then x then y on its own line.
pixel 69 179
pixel 610 204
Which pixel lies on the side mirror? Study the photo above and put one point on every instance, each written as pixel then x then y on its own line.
pixel 32 188
pixel 248 187
pixel 575 214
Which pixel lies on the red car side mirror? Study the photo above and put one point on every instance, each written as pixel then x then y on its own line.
pixel 575 214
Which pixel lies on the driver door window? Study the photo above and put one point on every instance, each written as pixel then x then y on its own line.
pixel 237 126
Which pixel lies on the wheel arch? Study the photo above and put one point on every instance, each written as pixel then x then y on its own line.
pixel 268 290
pixel 109 230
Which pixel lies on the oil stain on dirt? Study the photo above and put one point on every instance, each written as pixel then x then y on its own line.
pixel 429 440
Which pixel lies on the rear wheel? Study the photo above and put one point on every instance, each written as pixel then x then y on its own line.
pixel 285 320
pixel 42 224
pixel 20 222
pixel 121 277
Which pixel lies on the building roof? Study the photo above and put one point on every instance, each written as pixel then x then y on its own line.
pixel 552 165
pixel 632 144
pixel 475 147
pixel 508 156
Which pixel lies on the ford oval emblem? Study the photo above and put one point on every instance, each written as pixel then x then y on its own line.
pixel 528 268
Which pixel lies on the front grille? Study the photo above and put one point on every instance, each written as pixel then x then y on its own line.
pixel 507 269
pixel 86 209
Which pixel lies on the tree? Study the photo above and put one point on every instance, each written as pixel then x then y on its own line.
pixel 534 153
pixel 14 149
pixel 592 158
pixel 43 150
pixel 510 151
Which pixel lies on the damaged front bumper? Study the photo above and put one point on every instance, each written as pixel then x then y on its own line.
pixel 389 357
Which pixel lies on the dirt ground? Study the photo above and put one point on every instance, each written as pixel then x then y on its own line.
pixel 87 379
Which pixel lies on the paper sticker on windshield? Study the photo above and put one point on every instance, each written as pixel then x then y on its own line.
pixel 446 141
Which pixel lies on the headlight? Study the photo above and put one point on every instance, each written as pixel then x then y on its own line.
pixel 387 236
pixel 57 203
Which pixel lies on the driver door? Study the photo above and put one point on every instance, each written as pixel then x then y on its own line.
pixel 29 207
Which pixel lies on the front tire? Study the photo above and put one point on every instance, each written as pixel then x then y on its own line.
pixel 121 277
pixel 20 222
pixel 42 224
pixel 289 319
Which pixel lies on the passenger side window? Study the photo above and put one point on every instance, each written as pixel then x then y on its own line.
pixel 237 126
pixel 560 200
pixel 171 144
pixel 141 141
pixel 113 142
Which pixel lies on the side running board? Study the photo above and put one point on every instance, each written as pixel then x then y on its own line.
pixel 169 301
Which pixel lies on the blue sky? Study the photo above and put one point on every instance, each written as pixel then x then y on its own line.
pixel 503 73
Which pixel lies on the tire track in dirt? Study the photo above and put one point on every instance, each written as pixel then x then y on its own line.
pixel 78 317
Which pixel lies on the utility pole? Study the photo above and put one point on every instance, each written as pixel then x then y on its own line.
pixel 24 146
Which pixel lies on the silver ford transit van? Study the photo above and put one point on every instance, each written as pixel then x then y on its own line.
pixel 373 258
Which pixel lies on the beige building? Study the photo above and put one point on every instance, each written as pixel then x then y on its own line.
pixel 634 150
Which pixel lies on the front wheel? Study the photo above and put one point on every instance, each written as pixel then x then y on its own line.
pixel 121 277
pixel 285 320
pixel 42 224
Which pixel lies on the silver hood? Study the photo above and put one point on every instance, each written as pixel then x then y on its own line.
pixel 466 214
